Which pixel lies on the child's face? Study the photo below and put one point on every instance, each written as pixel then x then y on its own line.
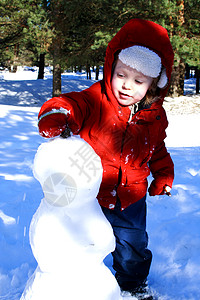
pixel 128 85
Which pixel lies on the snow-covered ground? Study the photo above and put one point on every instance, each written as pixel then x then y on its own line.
pixel 173 222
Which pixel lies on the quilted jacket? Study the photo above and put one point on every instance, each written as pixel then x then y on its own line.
pixel 130 145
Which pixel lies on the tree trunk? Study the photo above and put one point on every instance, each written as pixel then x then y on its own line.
pixel 97 72
pixel 187 71
pixel 181 17
pixel 56 79
pixel 88 72
pixel 177 80
pixel 13 67
pixel 197 73
pixel 178 73
pixel 41 66
pixel 56 68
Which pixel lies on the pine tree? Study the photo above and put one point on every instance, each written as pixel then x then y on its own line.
pixel 76 33
pixel 25 31
pixel 184 34
pixel 38 34
pixel 13 20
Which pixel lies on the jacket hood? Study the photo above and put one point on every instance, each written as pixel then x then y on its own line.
pixel 143 33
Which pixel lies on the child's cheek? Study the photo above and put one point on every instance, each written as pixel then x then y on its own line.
pixel 114 86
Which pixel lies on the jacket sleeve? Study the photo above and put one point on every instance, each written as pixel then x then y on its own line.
pixel 161 165
pixel 67 110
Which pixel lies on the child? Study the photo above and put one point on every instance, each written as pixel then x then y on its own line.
pixel 122 118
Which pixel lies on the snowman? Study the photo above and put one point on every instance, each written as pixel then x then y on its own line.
pixel 69 235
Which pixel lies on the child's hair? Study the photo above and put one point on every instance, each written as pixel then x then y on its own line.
pixel 114 63
pixel 153 92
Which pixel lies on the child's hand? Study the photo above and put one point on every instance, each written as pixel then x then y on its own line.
pixel 52 125
pixel 167 190
pixel 158 189
pixel 66 133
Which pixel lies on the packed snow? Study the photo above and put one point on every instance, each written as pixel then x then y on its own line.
pixel 173 222
pixel 69 235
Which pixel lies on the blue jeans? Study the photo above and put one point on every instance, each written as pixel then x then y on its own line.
pixel 131 258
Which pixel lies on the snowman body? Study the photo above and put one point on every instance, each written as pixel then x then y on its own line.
pixel 69 235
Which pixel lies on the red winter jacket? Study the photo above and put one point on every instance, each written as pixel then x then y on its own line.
pixel 131 148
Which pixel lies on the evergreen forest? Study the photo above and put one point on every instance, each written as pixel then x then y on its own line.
pixel 71 34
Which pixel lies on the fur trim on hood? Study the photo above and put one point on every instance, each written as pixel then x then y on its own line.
pixel 141 33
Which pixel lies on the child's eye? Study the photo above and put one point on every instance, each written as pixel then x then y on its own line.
pixel 138 81
pixel 120 75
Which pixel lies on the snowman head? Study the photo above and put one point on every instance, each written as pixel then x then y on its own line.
pixel 68 170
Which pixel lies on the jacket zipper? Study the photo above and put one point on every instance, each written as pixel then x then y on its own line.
pixel 134 109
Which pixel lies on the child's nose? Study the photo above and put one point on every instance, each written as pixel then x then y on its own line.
pixel 127 84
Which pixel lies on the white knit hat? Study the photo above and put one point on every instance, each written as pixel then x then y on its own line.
pixel 145 61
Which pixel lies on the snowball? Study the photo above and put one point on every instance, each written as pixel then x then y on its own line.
pixel 68 170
